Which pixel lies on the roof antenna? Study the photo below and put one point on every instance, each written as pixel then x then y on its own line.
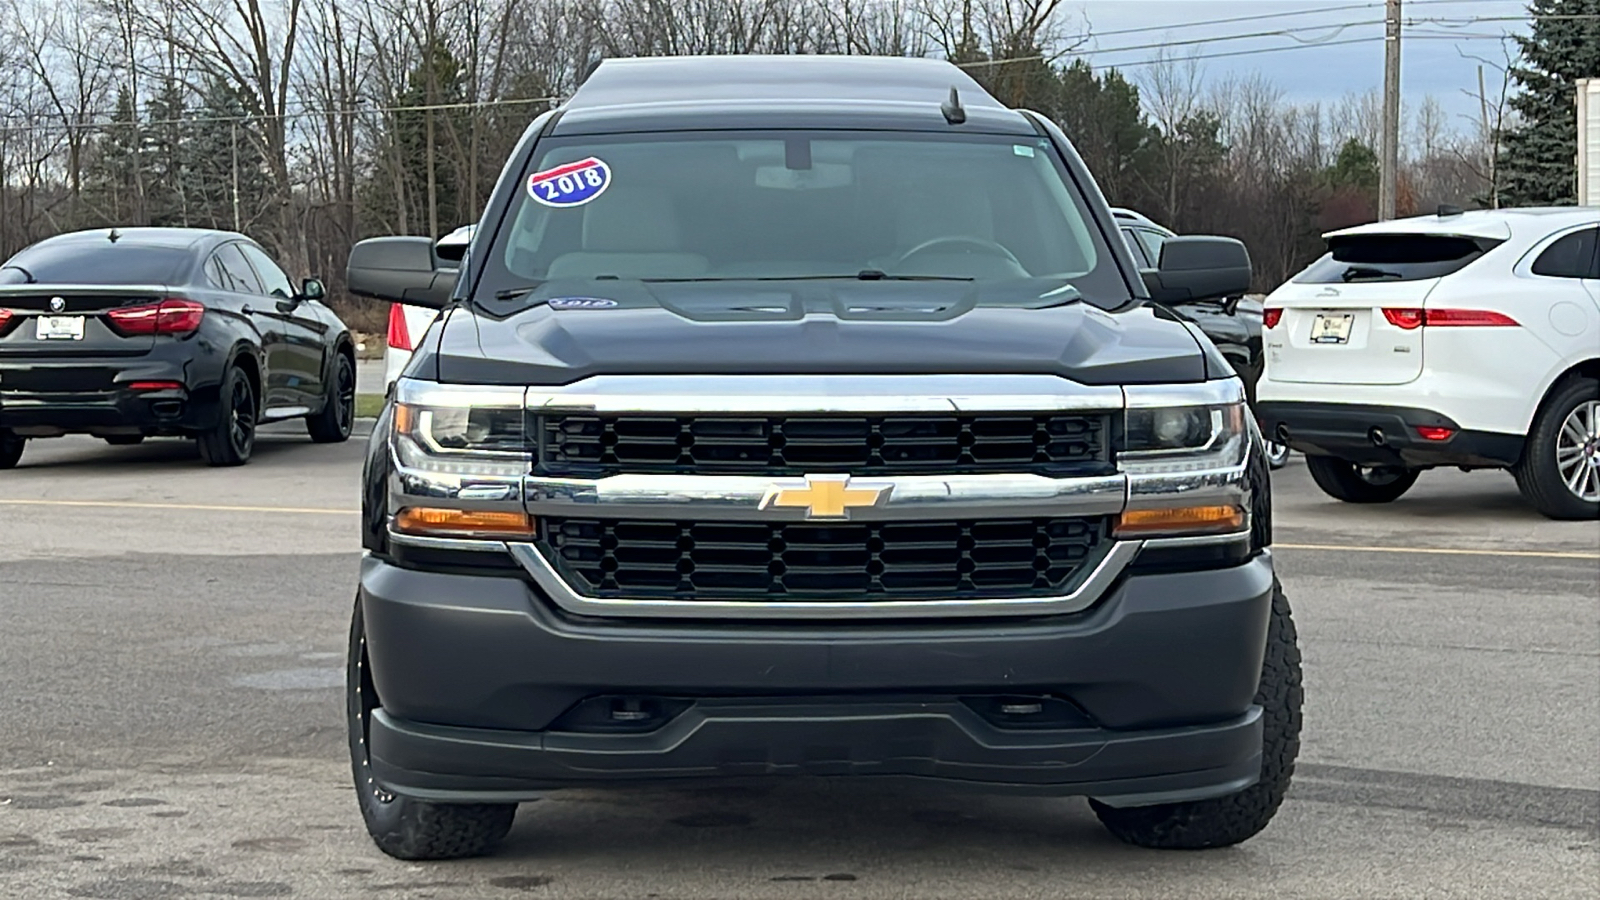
pixel 113 236
pixel 953 113
pixel 595 59
pixel 1446 210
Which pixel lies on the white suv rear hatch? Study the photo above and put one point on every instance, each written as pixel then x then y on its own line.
pixel 1353 316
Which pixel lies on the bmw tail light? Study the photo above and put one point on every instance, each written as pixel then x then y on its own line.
pixel 1271 316
pixel 173 316
pixel 399 334
pixel 1407 319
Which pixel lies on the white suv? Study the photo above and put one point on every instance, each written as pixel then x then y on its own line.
pixel 1462 339
pixel 407 323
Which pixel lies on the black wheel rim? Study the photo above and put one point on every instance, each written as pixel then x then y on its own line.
pixel 346 410
pixel 241 416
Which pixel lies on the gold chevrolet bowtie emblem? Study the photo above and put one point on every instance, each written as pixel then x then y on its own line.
pixel 825 496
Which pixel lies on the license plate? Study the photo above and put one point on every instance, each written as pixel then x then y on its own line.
pixel 60 328
pixel 1332 329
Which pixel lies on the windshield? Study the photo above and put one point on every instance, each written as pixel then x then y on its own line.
pixel 82 262
pixel 742 206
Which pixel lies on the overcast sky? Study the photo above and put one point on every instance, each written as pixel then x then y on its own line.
pixel 1432 53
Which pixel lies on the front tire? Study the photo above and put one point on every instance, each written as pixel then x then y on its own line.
pixel 1351 483
pixel 1228 820
pixel 230 441
pixel 333 424
pixel 11 446
pixel 404 827
pixel 1560 468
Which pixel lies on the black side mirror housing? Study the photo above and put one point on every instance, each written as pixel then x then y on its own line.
pixel 312 289
pixel 400 270
pixel 1199 268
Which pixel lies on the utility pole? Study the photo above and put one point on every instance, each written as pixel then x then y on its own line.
pixel 233 131
pixel 1389 160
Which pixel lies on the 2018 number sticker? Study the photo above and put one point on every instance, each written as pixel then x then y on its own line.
pixel 573 184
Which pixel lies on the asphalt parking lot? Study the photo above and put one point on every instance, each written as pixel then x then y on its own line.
pixel 171 642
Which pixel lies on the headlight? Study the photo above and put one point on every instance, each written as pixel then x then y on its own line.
pixel 460 430
pixel 1185 429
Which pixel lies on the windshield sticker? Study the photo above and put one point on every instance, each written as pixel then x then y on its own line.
pixel 1022 150
pixel 581 303
pixel 573 184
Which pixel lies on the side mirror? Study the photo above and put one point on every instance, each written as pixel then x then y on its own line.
pixel 400 270
pixel 312 289
pixel 1199 268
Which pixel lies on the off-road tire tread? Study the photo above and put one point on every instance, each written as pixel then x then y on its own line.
pixel 407 828
pixel 1229 820
pixel 1338 479
pixel 430 831
pixel 1536 473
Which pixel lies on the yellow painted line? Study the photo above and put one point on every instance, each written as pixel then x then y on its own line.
pixel 200 507
pixel 1442 551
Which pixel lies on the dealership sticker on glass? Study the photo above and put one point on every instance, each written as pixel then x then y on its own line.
pixel 573 184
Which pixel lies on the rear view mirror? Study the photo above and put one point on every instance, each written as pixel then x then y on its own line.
pixel 400 270
pixel 1199 268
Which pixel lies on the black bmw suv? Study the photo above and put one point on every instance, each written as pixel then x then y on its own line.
pixel 807 416
pixel 130 333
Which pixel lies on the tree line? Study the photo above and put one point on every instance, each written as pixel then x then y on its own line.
pixel 310 125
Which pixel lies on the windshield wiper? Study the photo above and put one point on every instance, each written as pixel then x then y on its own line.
pixel 863 275
pixel 514 293
pixel 1355 272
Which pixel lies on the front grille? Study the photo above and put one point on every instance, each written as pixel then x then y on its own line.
pixel 59 380
pixel 1048 444
pixel 982 559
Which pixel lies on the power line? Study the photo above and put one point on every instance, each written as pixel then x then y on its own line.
pixel 301 113
pixel 1255 17
pixel 1282 32
pixel 1231 53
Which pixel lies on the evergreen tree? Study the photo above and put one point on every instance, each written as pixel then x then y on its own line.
pixel 223 154
pixel 437 81
pixel 1538 158
pixel 1102 116
pixel 111 182
pixel 168 169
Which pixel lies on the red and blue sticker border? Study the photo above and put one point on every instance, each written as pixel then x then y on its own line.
pixel 571 184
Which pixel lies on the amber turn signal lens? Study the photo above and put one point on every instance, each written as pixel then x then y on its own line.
pixel 1180 520
pixel 423 520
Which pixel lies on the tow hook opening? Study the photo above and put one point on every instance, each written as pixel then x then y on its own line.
pixel 1025 711
pixel 619 714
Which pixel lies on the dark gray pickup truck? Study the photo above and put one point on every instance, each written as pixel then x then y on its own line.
pixel 808 416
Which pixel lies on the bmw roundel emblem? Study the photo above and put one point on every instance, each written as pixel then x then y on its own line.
pixel 57 304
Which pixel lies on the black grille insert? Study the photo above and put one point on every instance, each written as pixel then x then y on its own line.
pixel 1054 444
pixel 813 561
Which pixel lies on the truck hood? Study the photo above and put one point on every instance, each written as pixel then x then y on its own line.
pixel 565 332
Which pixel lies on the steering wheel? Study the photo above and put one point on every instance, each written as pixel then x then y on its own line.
pixel 985 246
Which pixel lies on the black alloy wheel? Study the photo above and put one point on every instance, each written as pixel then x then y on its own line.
pixel 230 441
pixel 333 424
